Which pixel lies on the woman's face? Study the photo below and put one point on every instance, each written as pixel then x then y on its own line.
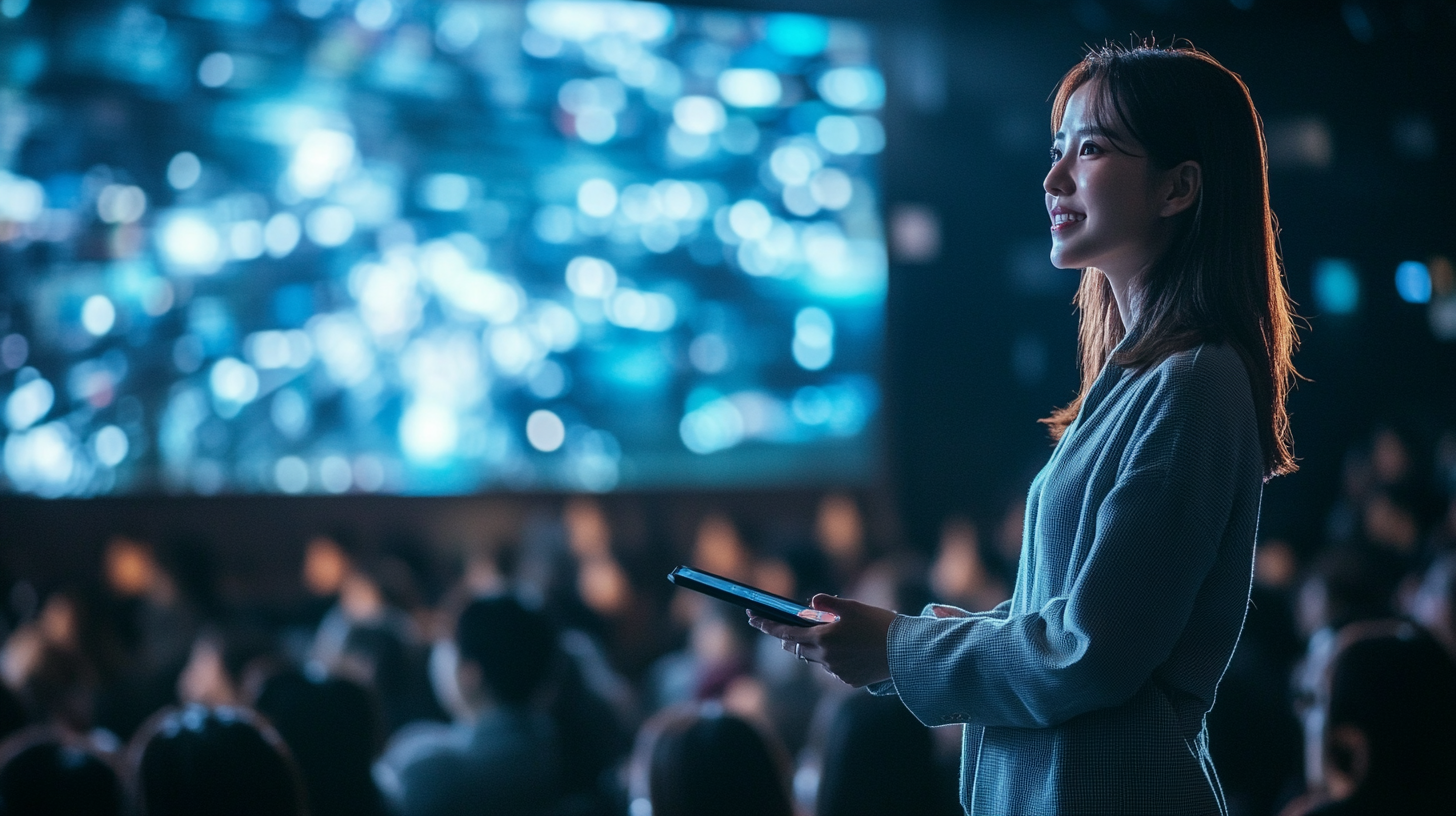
pixel 1104 204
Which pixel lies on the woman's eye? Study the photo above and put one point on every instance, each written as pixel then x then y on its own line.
pixel 1056 155
pixel 1089 149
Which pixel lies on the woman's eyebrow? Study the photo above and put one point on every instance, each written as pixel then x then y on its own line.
pixel 1092 130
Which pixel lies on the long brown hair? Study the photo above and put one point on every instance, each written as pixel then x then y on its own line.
pixel 1221 279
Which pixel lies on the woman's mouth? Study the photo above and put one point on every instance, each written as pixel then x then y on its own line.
pixel 1065 220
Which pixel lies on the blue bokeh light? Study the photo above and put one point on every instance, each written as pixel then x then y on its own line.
pixel 1413 282
pixel 365 261
pixel 1336 286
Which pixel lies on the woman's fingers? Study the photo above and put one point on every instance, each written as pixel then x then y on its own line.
pixel 782 631
pixel 802 641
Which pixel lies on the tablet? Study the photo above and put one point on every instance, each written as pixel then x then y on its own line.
pixel 765 604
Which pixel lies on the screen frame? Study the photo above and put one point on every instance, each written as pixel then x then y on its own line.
pixel 740 594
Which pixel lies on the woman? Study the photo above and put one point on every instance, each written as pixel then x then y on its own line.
pixel 1086 691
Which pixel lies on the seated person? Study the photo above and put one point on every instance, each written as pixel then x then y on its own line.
pixel 879 759
pixel 500 755
pixel 331 726
pixel 45 769
pixel 1379 737
pixel 702 762
pixel 225 663
pixel 201 760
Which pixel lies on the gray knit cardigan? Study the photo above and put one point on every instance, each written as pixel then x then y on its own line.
pixel 1086 691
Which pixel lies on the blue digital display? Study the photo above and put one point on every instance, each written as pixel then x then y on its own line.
pixel 329 246
pixel 745 592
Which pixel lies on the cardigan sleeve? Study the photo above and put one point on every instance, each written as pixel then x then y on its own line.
pixel 886 688
pixel 1157 533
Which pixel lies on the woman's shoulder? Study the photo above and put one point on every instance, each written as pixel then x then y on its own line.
pixel 1212 368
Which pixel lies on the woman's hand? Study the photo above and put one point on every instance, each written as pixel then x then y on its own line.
pixel 853 648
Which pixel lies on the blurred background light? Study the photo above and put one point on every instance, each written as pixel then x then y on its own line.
pixel 750 87
pixel 1336 286
pixel 853 88
pixel 1413 282
pixel 545 431
pixel 31 400
pixel 597 198
pixel 428 432
pixel 699 115
pixel 591 277
pixel 111 445
pixel 360 263
pixel 183 170
pixel 281 234
pixel 320 159
pixel 121 203
pixel 329 226
pixel 582 20
pixel 98 315
pixel 374 15
pixel 21 199
pixel 215 69
pixel 447 192
pixel 813 345
pixel 798 35
pixel 13 8
pixel 190 243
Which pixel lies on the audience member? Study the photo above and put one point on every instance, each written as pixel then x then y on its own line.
pixel 1347 583
pixel 369 636
pixel 44 661
pixel 1379 731
pixel 704 762
pixel 212 761
pixel 501 754
pixel 224 663
pixel 717 652
pixel 47 770
pixel 594 736
pixel 160 598
pixel 960 575
pixel 532 711
pixel 331 726
pixel 1257 741
pixel 878 760
pixel 12 711
pixel 1434 603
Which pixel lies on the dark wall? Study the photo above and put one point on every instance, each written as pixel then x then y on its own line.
pixel 965 424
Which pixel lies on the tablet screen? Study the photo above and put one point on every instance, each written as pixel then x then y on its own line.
pixel 785 606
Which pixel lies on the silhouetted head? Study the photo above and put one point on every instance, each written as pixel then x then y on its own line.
pixel 331 725
pixel 199 760
pixel 877 759
pixel 512 647
pixel 44 770
pixel 708 763
pixel 1389 712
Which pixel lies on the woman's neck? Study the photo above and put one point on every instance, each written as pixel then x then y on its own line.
pixel 1129 299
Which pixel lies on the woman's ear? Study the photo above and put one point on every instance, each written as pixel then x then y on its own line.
pixel 1347 760
pixel 1181 187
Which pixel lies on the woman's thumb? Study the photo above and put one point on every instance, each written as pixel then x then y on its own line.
pixel 830 603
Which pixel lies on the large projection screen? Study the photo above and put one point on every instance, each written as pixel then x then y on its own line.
pixel 428 248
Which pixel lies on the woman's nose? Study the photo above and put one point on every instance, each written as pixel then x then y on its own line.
pixel 1058 181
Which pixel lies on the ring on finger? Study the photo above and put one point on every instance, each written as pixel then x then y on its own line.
pixel 799 651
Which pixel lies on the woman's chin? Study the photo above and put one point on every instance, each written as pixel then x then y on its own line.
pixel 1063 260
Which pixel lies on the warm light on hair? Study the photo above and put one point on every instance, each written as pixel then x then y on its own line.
pixel 1221 280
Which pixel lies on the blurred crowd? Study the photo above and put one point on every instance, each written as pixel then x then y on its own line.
pixel 558 672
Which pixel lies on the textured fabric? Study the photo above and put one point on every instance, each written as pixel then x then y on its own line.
pixel 1086 691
